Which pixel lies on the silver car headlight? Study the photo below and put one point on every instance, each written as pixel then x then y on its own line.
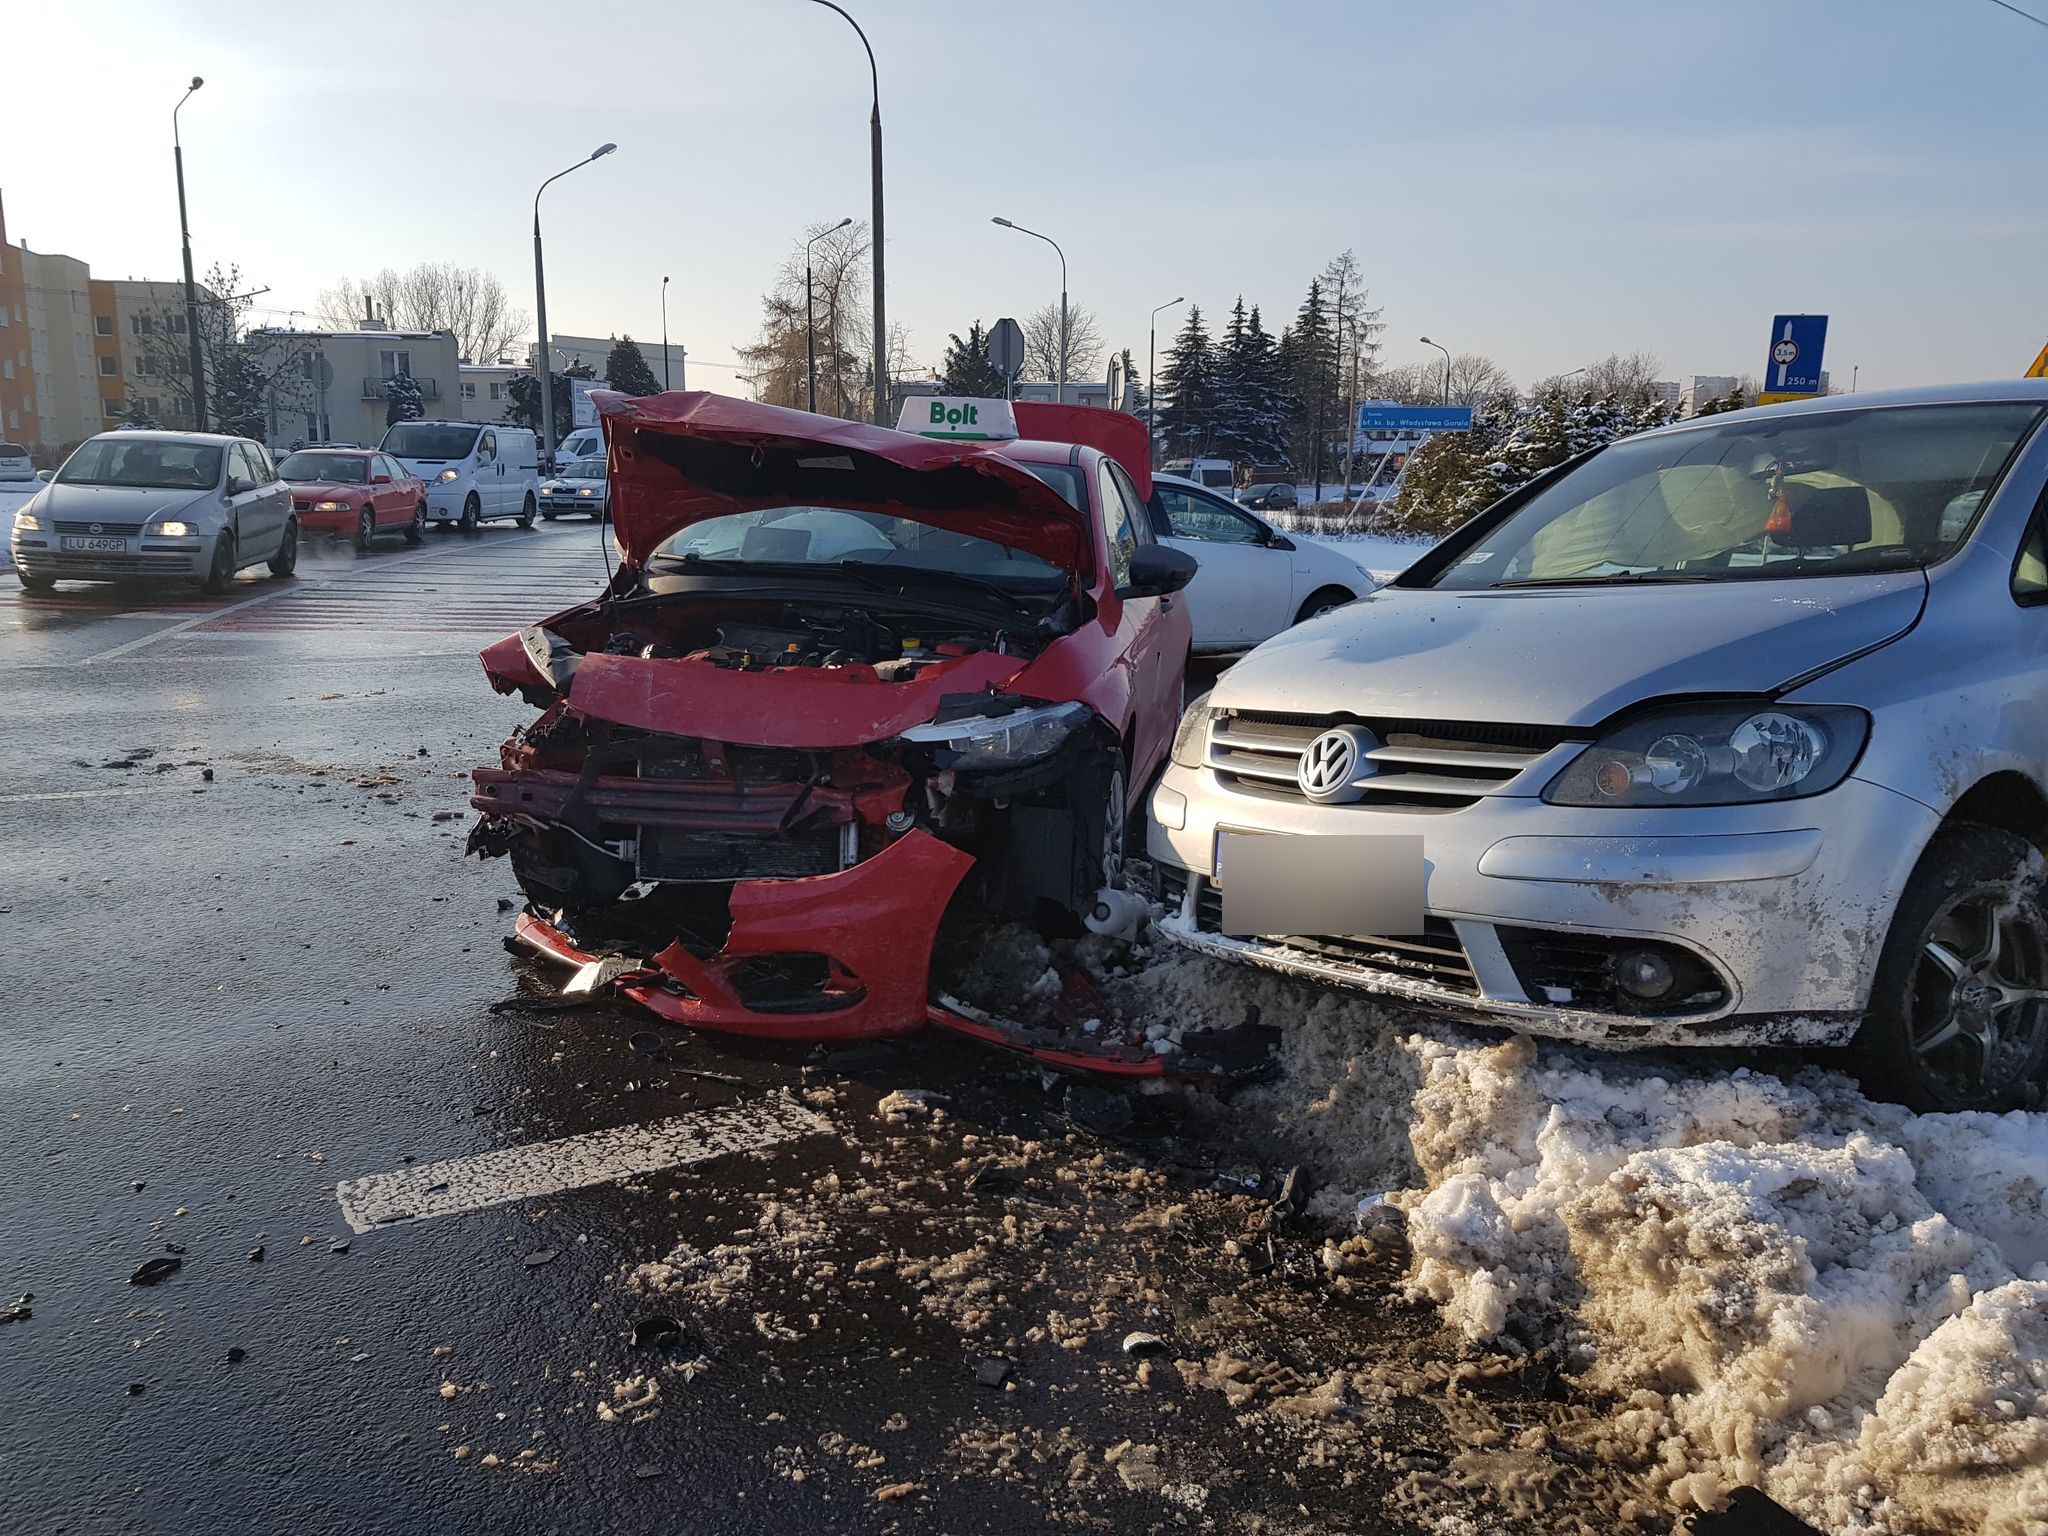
pixel 169 529
pixel 1716 754
pixel 447 475
pixel 1190 738
pixel 583 493
pixel 1003 741
pixel 28 522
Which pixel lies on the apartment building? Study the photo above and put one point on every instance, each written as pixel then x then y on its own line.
pixel 329 386
pixel 17 394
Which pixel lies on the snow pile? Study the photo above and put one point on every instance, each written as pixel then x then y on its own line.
pixel 1781 1283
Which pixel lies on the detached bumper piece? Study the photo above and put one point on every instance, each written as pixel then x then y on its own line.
pixel 834 957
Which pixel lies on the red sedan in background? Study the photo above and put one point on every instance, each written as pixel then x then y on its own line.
pixel 356 491
pixel 847 685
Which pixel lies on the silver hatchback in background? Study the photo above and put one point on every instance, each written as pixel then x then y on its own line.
pixel 135 505
pixel 1734 732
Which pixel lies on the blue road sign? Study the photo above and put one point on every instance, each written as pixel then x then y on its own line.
pixel 1415 418
pixel 1793 367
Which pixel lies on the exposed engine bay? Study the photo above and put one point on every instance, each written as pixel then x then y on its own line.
pixel 984 806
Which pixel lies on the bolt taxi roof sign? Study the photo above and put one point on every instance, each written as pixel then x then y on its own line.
pixel 958 416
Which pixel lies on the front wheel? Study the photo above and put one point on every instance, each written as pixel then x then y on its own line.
pixel 1958 1016
pixel 472 513
pixel 1321 601
pixel 366 528
pixel 34 583
pixel 221 573
pixel 416 530
pixel 526 511
pixel 286 560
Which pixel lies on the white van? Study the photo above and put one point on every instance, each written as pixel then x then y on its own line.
pixel 1210 474
pixel 583 443
pixel 474 472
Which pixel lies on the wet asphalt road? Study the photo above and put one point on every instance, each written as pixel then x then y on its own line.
pixel 246 960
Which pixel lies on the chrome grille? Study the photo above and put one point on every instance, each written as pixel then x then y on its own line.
pixel 1423 765
pixel 101 530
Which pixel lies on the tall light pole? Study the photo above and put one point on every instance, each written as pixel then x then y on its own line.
pixel 1061 395
pixel 540 304
pixel 664 335
pixel 1152 383
pixel 191 288
pixel 1447 365
pixel 811 324
pixel 875 177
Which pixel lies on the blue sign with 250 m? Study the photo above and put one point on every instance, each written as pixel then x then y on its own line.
pixel 1415 418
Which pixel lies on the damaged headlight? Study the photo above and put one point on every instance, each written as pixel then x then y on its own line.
pixel 1005 740
pixel 1716 754
pixel 1189 740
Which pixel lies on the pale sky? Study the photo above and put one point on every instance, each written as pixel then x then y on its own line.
pixel 1544 181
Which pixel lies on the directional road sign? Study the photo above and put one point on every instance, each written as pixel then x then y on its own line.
pixel 1793 367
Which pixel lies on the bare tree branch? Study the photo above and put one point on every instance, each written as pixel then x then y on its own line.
pixel 1042 343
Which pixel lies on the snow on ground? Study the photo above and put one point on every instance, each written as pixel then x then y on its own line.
pixel 1773 1280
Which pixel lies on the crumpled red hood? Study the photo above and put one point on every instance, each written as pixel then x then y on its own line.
pixel 678 459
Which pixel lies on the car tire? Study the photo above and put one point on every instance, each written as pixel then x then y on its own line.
pixel 286 560
pixel 548 514
pixel 34 583
pixel 472 513
pixel 416 530
pixel 1958 1016
pixel 526 511
pixel 1322 600
pixel 220 574
pixel 366 528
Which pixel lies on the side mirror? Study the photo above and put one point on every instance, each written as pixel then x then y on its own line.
pixel 237 485
pixel 1275 539
pixel 380 479
pixel 1157 571
pixel 46 474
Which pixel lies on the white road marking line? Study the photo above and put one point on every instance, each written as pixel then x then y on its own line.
pixel 280 589
pixel 464 1184
pixel 72 794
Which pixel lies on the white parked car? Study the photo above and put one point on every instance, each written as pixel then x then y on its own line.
pixel 15 463
pixel 189 505
pixel 582 487
pixel 473 472
pixel 1254 580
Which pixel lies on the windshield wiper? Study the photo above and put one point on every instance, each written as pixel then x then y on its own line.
pixel 1639 578
pixel 876 575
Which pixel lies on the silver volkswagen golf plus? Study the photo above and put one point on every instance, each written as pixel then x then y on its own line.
pixel 1735 732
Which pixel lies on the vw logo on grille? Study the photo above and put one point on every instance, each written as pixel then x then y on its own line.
pixel 95 528
pixel 1331 763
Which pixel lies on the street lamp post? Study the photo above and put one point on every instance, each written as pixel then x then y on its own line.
pixel 664 335
pixel 875 178
pixel 1447 365
pixel 540 304
pixel 191 288
pixel 1061 393
pixel 1152 383
pixel 811 325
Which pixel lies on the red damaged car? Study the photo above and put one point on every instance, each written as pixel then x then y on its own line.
pixel 845 683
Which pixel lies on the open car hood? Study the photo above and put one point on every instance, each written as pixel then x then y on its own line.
pixel 681 458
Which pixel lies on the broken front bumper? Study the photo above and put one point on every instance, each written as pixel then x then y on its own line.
pixel 873 924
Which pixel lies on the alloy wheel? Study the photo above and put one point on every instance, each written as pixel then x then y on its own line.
pixel 1980 992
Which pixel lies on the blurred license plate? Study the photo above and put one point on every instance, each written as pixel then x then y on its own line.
pixel 1365 885
pixel 97 546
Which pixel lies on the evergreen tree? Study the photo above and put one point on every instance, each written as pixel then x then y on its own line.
pixel 1188 386
pixel 523 406
pixel 1267 405
pixel 966 369
pixel 1310 351
pixel 403 400
pixel 1232 387
pixel 626 367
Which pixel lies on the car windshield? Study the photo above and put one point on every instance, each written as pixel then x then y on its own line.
pixel 342 468
pixel 583 469
pixel 146 463
pixel 1063 478
pixel 829 536
pixel 1808 493
pixel 426 440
